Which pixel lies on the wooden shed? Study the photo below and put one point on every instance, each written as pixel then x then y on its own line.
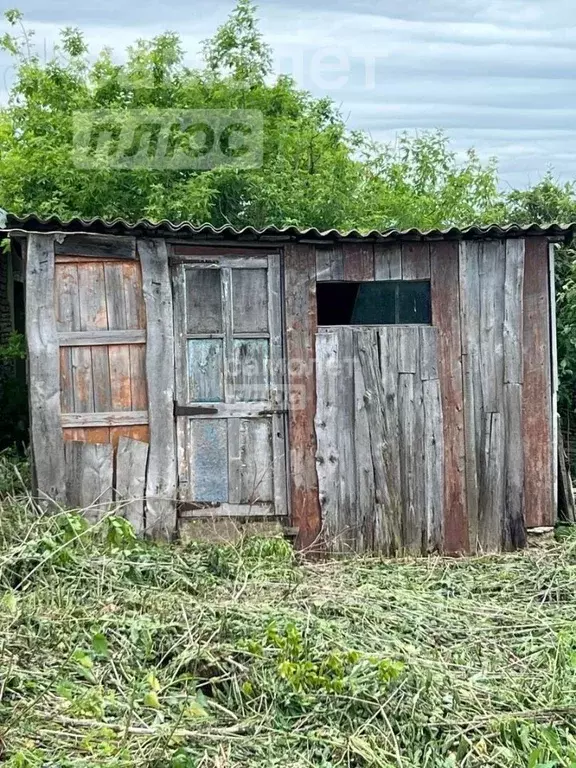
pixel 389 392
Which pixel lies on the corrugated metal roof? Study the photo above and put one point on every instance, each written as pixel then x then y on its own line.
pixel 33 223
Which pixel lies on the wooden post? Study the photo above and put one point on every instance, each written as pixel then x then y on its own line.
pixel 46 437
pixel 161 481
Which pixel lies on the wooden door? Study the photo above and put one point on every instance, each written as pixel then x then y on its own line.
pixel 230 387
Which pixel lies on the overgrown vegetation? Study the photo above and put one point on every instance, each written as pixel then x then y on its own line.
pixel 117 652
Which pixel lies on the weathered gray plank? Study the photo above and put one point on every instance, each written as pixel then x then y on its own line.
pixel 161 476
pixel 115 299
pixel 385 518
pixel 491 472
pixel 234 461
pixel 109 419
pixel 131 460
pixel 408 347
pixel 326 418
pixel 256 462
pixel 387 261
pixel 489 334
pixel 89 475
pixel 348 492
pixel 411 515
pixel 330 262
pixel 101 379
pixel 249 300
pixel 433 442
pixel 100 338
pixel 514 525
pixel 469 314
pixel 416 261
pixel 82 380
pixel 513 312
pixel 389 375
pixel 365 485
pixel 278 395
pixel 205 371
pixel 67 297
pixel 428 353
pixel 44 370
pixel 99 246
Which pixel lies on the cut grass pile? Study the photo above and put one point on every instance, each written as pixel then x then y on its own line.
pixel 115 652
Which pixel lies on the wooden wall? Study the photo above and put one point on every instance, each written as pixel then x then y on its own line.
pixel 401 438
pixel 492 472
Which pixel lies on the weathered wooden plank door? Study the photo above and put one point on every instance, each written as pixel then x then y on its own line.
pixel 230 387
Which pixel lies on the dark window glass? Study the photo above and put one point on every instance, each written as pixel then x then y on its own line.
pixel 374 303
pixel 414 303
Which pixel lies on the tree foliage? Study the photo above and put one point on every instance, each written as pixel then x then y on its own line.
pixel 314 171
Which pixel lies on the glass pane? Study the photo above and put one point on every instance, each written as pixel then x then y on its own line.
pixel 209 460
pixel 205 368
pixel 203 301
pixel 375 304
pixel 415 304
pixel 250 300
pixel 251 372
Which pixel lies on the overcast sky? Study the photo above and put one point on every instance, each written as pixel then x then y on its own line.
pixel 499 75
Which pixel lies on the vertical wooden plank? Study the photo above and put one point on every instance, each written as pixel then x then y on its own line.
pixel 133 298
pixel 66 382
pixel 180 374
pixel 327 457
pixel 139 395
pixel 411 525
pixel 82 380
pixel 256 484
pixel 234 461
pixel 358 261
pixel 554 362
pixel 445 291
pixel 277 377
pixel 208 460
pixel 44 369
pixel 415 261
pixel 161 475
pixel 345 425
pixel 472 395
pixel 89 468
pixel 513 312
pixel 131 459
pixel 385 515
pixel 388 261
pixel 514 527
pixel 388 340
pixel 433 442
pixel 120 381
pixel 492 483
pixel 329 262
pixel 116 306
pixel 301 326
pixel 67 298
pixel 101 380
pixel 513 524
pixel 537 392
pixel 365 490
pixel 92 370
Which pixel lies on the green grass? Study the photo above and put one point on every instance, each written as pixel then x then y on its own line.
pixel 115 652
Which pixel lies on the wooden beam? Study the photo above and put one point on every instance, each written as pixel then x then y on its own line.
pixel 44 370
pixel 161 481
pixel 107 419
pixel 301 325
pixel 100 338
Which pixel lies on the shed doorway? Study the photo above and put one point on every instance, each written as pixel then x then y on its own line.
pixel 230 410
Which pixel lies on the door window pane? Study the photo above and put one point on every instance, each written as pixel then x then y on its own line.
pixel 205 371
pixel 250 300
pixel 203 301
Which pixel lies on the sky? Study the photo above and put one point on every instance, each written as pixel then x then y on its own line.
pixel 498 75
